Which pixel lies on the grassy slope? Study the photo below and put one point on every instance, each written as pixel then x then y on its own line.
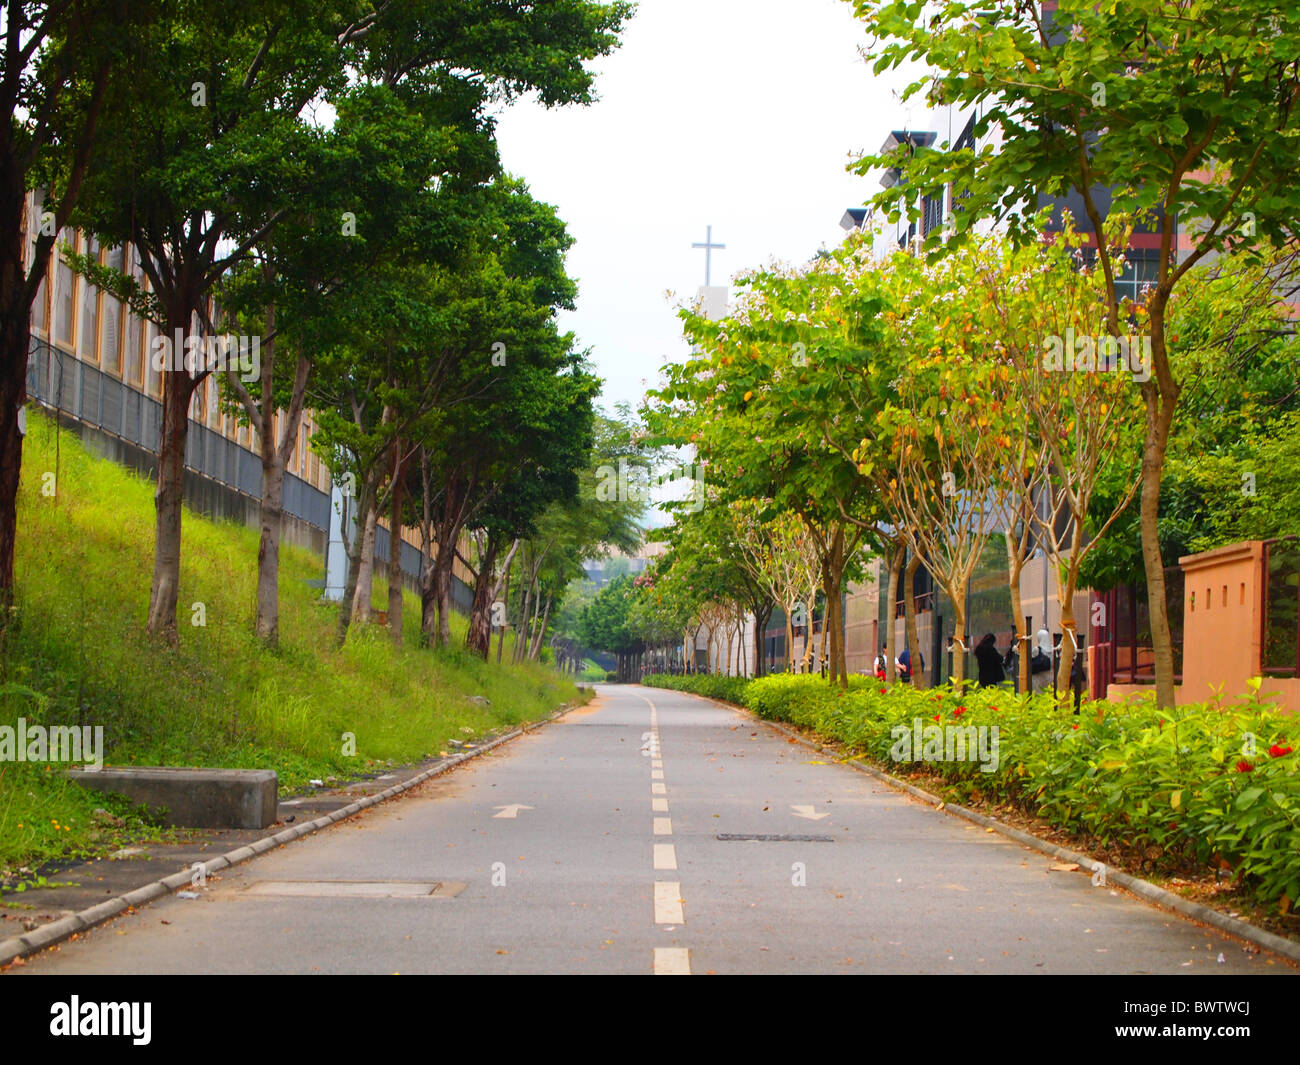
pixel 77 654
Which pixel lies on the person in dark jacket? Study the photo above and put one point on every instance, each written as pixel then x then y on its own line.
pixel 989 661
pixel 905 665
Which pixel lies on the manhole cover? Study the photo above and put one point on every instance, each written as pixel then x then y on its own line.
pixel 357 889
pixel 728 837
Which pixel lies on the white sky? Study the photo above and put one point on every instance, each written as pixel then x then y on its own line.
pixel 740 114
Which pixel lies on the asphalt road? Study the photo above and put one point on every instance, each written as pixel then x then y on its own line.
pixel 592 846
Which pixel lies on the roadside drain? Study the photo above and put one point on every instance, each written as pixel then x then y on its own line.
pixel 727 837
pixel 357 889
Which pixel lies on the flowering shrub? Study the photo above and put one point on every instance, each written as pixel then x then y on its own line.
pixel 1208 782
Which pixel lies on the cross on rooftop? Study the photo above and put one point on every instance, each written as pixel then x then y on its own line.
pixel 708 247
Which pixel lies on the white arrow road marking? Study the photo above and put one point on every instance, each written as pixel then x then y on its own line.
pixel 808 812
pixel 672 961
pixel 668 903
pixel 511 811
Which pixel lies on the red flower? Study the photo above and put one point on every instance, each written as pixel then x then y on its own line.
pixel 882 691
pixel 1277 750
pixel 1244 767
pixel 994 709
pixel 959 711
pixel 936 717
pixel 1076 727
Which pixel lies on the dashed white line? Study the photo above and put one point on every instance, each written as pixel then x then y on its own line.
pixel 665 856
pixel 659 788
pixel 659 806
pixel 663 826
pixel 672 961
pixel 668 902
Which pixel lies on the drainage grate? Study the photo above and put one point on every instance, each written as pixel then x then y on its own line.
pixel 357 889
pixel 728 837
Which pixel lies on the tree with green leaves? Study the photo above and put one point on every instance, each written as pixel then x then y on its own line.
pixel 373 171
pixel 217 142
pixel 1182 117
pixel 61 65
pixel 753 403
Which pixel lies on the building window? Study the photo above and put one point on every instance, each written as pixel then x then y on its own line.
pixel 88 318
pixel 931 214
pixel 153 384
pixel 64 290
pixel 133 340
pixel 110 333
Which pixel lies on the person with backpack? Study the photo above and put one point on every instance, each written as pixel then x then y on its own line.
pixel 905 665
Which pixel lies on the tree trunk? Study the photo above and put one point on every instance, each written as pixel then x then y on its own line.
pixel 478 638
pixel 178 391
pixel 789 639
pixel 355 552
pixel 395 547
pixel 891 597
pixel 15 345
pixel 909 622
pixel 436 595
pixel 1160 415
pixel 834 571
pixel 365 565
pixel 1024 640
pixel 501 638
pixel 1065 598
pixel 268 551
pixel 808 645
pixel 444 562
pixel 15 338
pixel 536 650
pixel 959 650
pixel 761 615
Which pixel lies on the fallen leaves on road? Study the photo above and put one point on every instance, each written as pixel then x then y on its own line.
pixel 1064 867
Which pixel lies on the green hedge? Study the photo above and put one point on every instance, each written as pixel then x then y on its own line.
pixel 728 689
pixel 1184 782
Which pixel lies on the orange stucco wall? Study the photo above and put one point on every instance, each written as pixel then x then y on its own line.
pixel 1221 619
pixel 1222 629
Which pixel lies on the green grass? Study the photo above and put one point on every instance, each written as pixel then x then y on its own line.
pixel 76 653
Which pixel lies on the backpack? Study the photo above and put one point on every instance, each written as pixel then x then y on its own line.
pixel 1039 663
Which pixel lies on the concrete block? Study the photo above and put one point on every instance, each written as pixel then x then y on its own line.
pixel 193 798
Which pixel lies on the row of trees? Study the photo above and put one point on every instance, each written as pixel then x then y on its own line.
pixel 1183 120
pixel 324 177
pixel 911 409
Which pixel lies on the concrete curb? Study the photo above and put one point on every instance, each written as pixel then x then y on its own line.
pixel 57 931
pixel 1144 889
